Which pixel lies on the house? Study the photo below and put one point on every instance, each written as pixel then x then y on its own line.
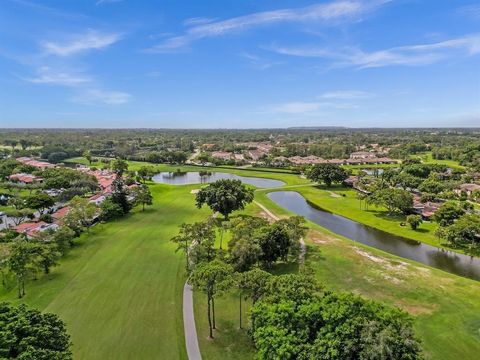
pixel 307 160
pixel 223 155
pixel 427 209
pixel 23 178
pixel 97 199
pixel 363 155
pixel 350 181
pixel 60 214
pixel 255 155
pixel 38 164
pixel 30 229
pixel 467 189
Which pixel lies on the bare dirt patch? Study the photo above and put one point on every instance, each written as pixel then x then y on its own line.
pixel 319 238
pixel 416 309
pixel 334 195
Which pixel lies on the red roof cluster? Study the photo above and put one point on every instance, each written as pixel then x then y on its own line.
pixel 38 164
pixel 25 178
pixel 32 228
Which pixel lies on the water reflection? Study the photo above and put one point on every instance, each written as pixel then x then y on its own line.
pixel 194 177
pixel 450 261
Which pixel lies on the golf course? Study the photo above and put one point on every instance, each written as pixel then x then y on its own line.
pixel 119 290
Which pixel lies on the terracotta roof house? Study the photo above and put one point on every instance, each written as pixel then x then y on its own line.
pixel 222 155
pixel 25 178
pixel 30 229
pixel 60 214
pixel 38 164
pixel 362 155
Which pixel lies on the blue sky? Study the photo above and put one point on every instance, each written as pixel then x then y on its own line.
pixel 239 64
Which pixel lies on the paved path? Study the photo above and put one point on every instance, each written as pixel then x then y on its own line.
pixel 303 247
pixel 191 339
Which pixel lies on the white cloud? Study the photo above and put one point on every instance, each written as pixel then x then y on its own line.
pixel 90 40
pixel 101 2
pixel 346 95
pixel 197 21
pixel 318 13
pixel 97 96
pixel 47 75
pixel 259 63
pixel 412 55
pixel 297 107
pixel 304 107
pixel 472 11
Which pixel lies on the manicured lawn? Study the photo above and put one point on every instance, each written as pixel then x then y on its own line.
pixel 426 158
pixel 120 289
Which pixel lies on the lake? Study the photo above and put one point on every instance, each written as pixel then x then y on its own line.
pixel 195 177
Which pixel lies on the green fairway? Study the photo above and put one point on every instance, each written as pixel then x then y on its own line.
pixel 120 290
pixel 427 158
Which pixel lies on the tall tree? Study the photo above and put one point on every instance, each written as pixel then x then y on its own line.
pixel 251 283
pixel 88 155
pixel 212 278
pixel 120 194
pixel 327 173
pixel 22 262
pixel 143 196
pixel 395 200
pixel 119 166
pixel 39 201
pixel 82 213
pixel 225 196
pixel 447 213
pixel 197 242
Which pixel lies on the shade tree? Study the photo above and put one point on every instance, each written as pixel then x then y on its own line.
pixel 225 196
pixel 327 174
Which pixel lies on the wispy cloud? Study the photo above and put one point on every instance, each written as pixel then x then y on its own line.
pixel 197 21
pixel 297 107
pixel 258 62
pixel 102 2
pixel 90 40
pixel 472 11
pixel 318 13
pixel 304 107
pixel 346 95
pixel 98 96
pixel 47 75
pixel 412 55
pixel 47 10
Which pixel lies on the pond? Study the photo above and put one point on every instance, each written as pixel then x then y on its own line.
pixel 449 261
pixel 195 177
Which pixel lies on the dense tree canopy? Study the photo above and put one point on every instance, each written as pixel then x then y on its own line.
pixel 295 321
pixel 327 174
pixel 28 334
pixel 225 196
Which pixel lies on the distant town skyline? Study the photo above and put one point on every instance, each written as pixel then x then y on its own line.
pixel 229 64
